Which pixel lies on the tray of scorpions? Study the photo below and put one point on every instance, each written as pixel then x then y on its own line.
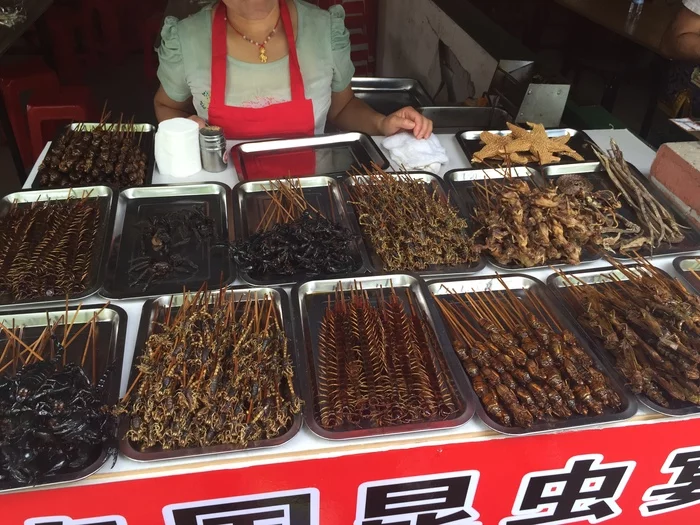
pixel 644 322
pixel 290 230
pixel 528 365
pixel 167 237
pixel 59 369
pixel 53 244
pixel 217 371
pixel 375 359
pixel 410 222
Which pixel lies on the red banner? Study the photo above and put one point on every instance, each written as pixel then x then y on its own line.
pixel 648 474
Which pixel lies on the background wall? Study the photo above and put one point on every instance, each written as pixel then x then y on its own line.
pixel 409 33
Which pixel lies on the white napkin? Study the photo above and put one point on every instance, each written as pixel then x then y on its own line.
pixel 411 153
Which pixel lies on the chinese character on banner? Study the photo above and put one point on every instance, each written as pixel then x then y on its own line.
pixel 586 490
pixel 295 507
pixel 440 499
pixel 682 490
pixel 65 520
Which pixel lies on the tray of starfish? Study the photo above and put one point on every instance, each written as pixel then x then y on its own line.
pixel 167 237
pixel 518 146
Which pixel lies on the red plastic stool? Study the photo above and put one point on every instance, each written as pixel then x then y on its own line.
pixel 70 104
pixel 18 82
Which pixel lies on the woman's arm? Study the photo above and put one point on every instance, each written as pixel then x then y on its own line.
pixel 682 38
pixel 167 108
pixel 349 113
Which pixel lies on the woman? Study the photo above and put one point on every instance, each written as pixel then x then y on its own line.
pixel 267 68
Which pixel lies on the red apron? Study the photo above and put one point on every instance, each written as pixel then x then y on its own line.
pixel 287 119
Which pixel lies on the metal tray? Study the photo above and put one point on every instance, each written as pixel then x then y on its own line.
pixel 471 143
pixel 148 314
pixel 137 204
pixel 387 95
pixel 148 132
pixel 111 334
pixel 309 300
pixel 518 284
pixel 598 276
pixel 464 184
pixel 601 181
pixel 322 192
pixel 455 119
pixel 375 262
pixel 685 266
pixel 107 213
pixel 322 155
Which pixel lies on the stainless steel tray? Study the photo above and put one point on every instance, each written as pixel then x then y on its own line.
pixel 322 192
pixel 147 131
pixel 148 317
pixel 601 181
pixel 455 119
pixel 685 266
pixel 464 184
pixel 137 204
pixel 519 284
pixel 596 277
pixel 471 143
pixel 309 300
pixel 111 334
pixel 375 262
pixel 322 155
pixel 387 95
pixel 107 208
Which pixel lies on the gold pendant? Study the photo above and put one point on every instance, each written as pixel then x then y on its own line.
pixel 263 56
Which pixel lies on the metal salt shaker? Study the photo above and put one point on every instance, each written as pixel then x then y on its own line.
pixel 212 145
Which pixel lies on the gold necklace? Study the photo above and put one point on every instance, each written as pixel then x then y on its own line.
pixel 261 46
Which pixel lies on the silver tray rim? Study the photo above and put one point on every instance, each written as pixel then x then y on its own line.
pixel 573 423
pixel 174 190
pixel 258 146
pixel 462 390
pixel 305 182
pixel 282 302
pixel 600 351
pixel 119 349
pixel 102 253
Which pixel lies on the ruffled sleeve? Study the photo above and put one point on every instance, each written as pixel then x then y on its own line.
pixel 343 68
pixel 171 70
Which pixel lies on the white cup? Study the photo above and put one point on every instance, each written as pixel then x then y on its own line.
pixel 177 148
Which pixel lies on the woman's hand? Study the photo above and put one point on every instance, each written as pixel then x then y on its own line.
pixel 406 119
pixel 199 120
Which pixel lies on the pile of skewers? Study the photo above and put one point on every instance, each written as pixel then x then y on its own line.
pixel 658 225
pixel 379 365
pixel 294 238
pixel 649 324
pixel 410 224
pixel 47 249
pixel 53 418
pixel 523 366
pixel 527 226
pixel 106 154
pixel 216 370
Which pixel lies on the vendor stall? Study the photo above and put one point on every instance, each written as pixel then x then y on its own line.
pixel 624 463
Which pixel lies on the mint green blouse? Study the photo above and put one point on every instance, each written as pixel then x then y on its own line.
pixel 323 47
